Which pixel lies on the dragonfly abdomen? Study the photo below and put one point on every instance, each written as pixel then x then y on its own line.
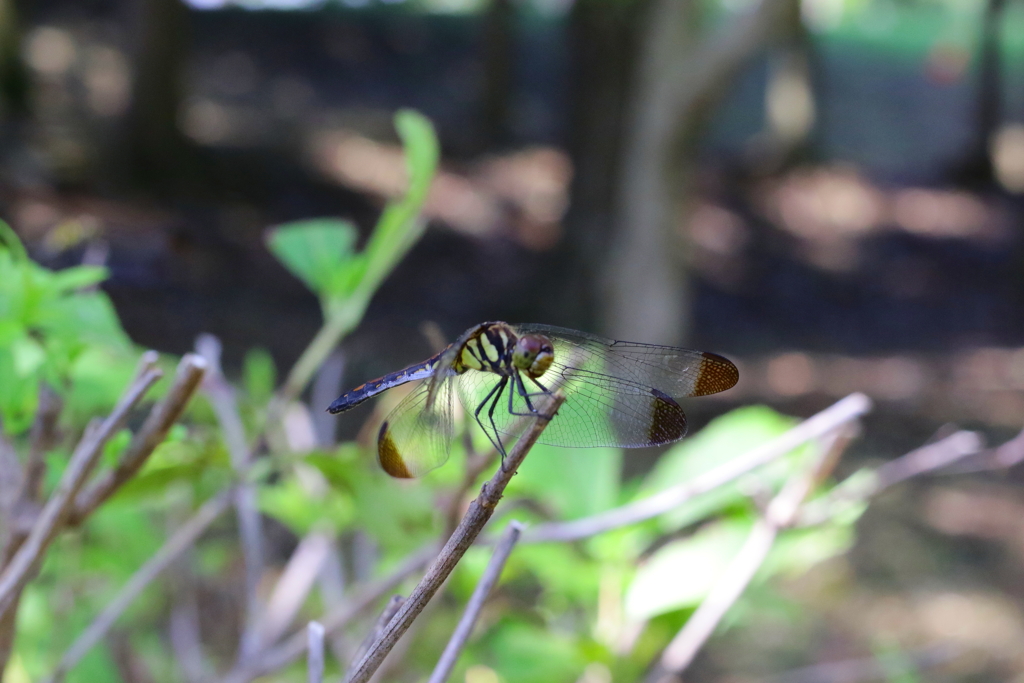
pixel 350 399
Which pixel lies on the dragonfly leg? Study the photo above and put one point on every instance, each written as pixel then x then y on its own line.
pixel 490 415
pixel 521 389
pixel 496 392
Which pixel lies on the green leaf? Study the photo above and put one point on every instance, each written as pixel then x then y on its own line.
pixel 574 481
pixel 399 226
pixel 316 251
pixel 9 241
pixel 681 573
pixel 71 279
pixel 725 438
pixel 86 317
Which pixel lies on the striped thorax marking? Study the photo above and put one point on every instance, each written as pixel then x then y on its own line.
pixel 488 350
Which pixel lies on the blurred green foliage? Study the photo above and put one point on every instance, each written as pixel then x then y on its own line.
pixel 612 601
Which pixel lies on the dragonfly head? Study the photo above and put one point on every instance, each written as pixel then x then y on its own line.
pixel 533 354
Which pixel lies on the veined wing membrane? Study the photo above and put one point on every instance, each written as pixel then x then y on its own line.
pixel 416 437
pixel 599 410
pixel 674 371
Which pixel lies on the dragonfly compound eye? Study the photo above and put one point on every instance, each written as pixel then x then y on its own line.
pixel 533 354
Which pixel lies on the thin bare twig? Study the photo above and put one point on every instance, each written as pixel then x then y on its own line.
pixel 780 514
pixel 315 649
pixel 364 595
pixel 828 420
pixel 250 524
pixel 42 437
pixel 480 511
pixel 181 541
pixel 293 587
pixel 922 460
pixel 152 433
pixel 385 616
pixel 55 513
pixel 476 602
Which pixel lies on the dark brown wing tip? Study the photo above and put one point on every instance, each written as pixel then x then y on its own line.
pixel 716 374
pixel 389 457
pixel 668 421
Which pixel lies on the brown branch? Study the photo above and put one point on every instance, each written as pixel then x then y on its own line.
pixel 152 433
pixel 476 602
pixel 385 616
pixel 57 510
pixel 480 511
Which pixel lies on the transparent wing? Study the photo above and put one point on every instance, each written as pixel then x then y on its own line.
pixel 599 410
pixel 417 438
pixel 674 371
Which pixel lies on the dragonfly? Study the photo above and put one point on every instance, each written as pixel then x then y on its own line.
pixel 617 393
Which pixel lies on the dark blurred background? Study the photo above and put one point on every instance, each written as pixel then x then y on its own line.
pixel 827 191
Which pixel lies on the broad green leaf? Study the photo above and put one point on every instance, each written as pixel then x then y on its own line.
pixel 574 482
pixel 86 317
pixel 27 355
pixel 729 436
pixel 798 550
pixel 680 574
pixel 526 653
pixel 315 251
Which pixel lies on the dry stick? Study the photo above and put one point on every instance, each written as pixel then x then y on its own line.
pixel 926 459
pixel 816 426
pixel 250 526
pixel 42 435
pixel 55 513
pixel 480 510
pixel 181 541
pixel 385 616
pixel 780 514
pixel 292 587
pixel 152 433
pixel 363 597
pixel 315 647
pixel 476 602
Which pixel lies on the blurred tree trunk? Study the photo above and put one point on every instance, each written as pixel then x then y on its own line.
pixel 602 35
pixel 14 78
pixel 678 82
pixel 157 151
pixel 498 30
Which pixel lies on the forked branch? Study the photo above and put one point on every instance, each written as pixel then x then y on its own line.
pixel 479 512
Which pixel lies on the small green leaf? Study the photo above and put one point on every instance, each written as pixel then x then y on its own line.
pixel 399 226
pixel 9 240
pixel 681 573
pixel 71 279
pixel 574 481
pixel 315 251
